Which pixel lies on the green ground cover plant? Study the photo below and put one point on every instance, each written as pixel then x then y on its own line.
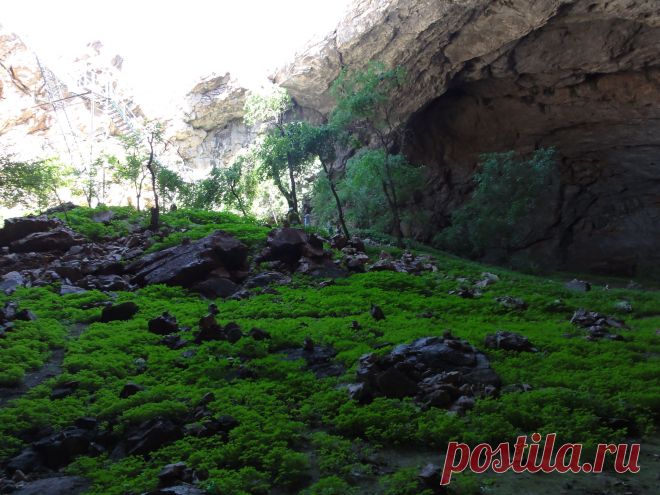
pixel 300 434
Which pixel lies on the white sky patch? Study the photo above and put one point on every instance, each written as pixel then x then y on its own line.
pixel 167 44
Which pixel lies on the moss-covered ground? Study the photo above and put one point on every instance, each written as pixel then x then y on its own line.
pixel 299 433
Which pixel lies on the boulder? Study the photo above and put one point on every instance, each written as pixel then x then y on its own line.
pixel 435 371
pixel 163 325
pixel 512 302
pixel 130 389
pixel 376 312
pixel 20 227
pixel 286 245
pixel 27 461
pixel 258 334
pixel 624 306
pixel 508 341
pixel 58 239
pixel 11 280
pixel 119 312
pixel 104 217
pixel 360 392
pixel 25 315
pixel 65 485
pixel 62 448
pixel 70 289
pixel 578 285
pixel 264 279
pixel 583 318
pixel 151 435
pixel 215 288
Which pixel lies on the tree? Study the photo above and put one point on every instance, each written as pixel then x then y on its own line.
pixel 154 136
pixel 282 151
pixel 230 187
pixel 33 182
pixel 508 192
pixel 365 107
pixel 171 186
pixel 91 181
pixel 132 170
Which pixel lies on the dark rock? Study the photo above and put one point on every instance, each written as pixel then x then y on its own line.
pixel 396 385
pixel 634 286
pixel 11 280
pixel 230 250
pixel 286 245
pixel 62 448
pixel 67 485
pixel 439 398
pixel 326 283
pixel 25 315
pixel 213 309
pixel 86 423
pixel 64 390
pixel 183 489
pixel 119 312
pixel 338 241
pixel 215 288
pixel 27 461
pixel 20 227
pixel 361 392
pixel 512 302
pixel 70 289
pixel 583 318
pixel 152 435
pixel 207 399
pixel 174 342
pixel 376 312
pixel 18 476
pixel 170 473
pixel 320 362
pixel 58 239
pixel 264 279
pixel 233 332
pixel 163 325
pixel 308 345
pixel 508 341
pixel 259 334
pixel 104 217
pixel 130 389
pixel 578 285
pixel 430 476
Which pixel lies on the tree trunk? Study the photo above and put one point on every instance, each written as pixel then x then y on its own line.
pixel 293 183
pixel 334 193
pixel 155 212
pixel 395 215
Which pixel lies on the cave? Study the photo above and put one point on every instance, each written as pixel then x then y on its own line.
pixel 591 90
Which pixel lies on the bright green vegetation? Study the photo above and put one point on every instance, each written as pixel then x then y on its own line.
pixel 290 421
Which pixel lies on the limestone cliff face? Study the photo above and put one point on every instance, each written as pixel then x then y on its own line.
pixel 211 130
pixel 491 76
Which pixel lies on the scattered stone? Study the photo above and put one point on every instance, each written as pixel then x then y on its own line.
pixel 512 303
pixel 173 342
pixel 64 390
pixel 361 392
pixel 384 255
pixel 25 315
pixel 207 399
pixel 508 341
pixel 426 366
pixel 213 309
pixel 119 312
pixel 58 239
pixel 66 485
pixel 376 312
pixel 163 325
pixel 130 389
pixel 152 435
pixel 104 217
pixel 634 286
pixel 61 448
pixel 70 289
pixel 578 285
pixel 320 362
pixel 326 283
pixel 485 283
pixel 308 345
pixel 430 476
pixel 18 476
pixel 86 423
pixel 11 280
pixel 20 227
pixel 259 334
pixel 583 318
pixel 624 306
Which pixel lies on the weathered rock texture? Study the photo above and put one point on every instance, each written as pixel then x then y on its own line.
pixel 491 76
